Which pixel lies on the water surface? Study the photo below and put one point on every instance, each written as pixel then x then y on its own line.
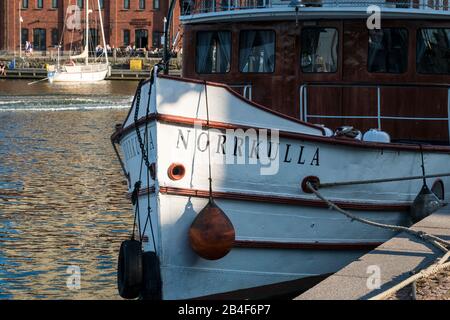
pixel 62 194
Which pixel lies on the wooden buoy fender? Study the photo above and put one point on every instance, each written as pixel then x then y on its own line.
pixel 211 234
pixel 129 269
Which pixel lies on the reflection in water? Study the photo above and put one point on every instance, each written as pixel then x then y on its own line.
pixel 62 203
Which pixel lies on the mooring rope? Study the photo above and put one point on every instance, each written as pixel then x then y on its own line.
pixel 356 182
pixel 143 145
pixel 418 234
pixel 209 143
pixel 439 243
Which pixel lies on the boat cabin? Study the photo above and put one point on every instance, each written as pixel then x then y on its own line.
pixel 328 62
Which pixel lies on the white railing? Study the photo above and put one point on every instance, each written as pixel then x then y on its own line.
pixel 306 116
pixel 209 6
pixel 244 90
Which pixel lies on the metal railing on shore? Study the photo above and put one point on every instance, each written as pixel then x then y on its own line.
pixel 116 74
pixel 191 7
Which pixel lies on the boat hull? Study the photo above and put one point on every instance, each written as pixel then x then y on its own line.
pixel 78 74
pixel 282 232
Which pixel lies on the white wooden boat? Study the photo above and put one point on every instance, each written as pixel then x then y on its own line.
pixel 282 233
pixel 222 211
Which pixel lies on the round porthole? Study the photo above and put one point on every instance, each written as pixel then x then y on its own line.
pixel 176 171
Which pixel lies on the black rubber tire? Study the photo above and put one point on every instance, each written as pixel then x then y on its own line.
pixel 129 269
pixel 152 284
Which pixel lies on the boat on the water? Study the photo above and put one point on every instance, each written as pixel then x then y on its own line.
pixel 276 98
pixel 87 71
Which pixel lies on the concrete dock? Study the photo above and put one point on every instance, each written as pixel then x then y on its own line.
pixel 396 260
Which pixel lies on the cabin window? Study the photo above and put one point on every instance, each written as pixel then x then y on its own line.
pixel 319 53
pixel 213 52
pixel 388 50
pixel 433 51
pixel 257 51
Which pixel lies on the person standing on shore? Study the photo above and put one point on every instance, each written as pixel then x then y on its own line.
pixel 2 68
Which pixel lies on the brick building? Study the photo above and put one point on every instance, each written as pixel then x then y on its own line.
pixel 44 23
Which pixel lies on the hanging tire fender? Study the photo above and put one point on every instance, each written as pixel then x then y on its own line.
pixel 130 269
pixel 152 284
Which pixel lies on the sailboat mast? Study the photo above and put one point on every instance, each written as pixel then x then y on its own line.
pixel 105 50
pixel 86 47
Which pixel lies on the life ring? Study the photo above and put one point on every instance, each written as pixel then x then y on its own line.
pixel 129 269
pixel 152 284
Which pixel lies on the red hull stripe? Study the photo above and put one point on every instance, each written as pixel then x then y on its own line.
pixel 305 246
pixel 358 206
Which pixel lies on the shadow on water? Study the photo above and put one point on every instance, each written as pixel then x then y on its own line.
pixel 62 200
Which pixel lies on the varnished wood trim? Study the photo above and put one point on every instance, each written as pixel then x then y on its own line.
pixel 305 245
pixel 366 206
pixel 285 134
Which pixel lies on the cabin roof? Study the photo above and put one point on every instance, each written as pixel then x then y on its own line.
pixel 202 11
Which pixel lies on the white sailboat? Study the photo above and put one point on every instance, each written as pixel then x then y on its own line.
pixel 87 72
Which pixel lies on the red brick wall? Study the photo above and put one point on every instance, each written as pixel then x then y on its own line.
pixel 116 19
pixel 2 24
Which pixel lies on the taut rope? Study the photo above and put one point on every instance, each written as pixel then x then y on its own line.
pixel 439 243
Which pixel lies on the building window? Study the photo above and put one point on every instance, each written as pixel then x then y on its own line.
pixel 156 4
pixel 24 4
pixel 126 37
pixel 39 4
pixel 156 39
pixel 55 37
pixel 93 39
pixel 433 51
pixel 186 7
pixel 388 50
pixel 126 4
pixel 142 4
pixel 54 4
pixel 39 39
pixel 80 3
pixel 102 4
pixel 319 53
pixel 24 36
pixel 141 36
pixel 257 51
pixel 213 53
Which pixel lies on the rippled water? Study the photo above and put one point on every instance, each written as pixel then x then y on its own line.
pixel 62 194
